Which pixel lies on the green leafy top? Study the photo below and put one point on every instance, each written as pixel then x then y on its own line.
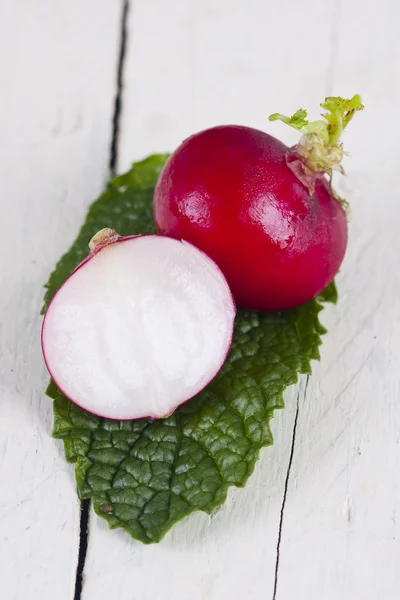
pixel 297 121
pixel 145 475
pixel 319 148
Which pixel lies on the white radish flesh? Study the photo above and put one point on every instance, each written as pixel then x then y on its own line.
pixel 139 328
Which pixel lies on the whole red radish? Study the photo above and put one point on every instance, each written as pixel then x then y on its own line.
pixel 264 212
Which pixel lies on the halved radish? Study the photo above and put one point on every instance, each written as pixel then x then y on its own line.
pixel 141 326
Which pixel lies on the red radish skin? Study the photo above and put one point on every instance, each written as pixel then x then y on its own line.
pixel 170 378
pixel 233 192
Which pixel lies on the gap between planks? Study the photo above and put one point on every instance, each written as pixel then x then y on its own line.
pixel 330 78
pixel 85 504
pixel 285 489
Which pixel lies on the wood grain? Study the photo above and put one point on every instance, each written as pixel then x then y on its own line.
pixel 192 65
pixel 57 80
pixel 340 532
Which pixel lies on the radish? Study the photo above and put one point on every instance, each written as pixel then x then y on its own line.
pixel 264 212
pixel 141 326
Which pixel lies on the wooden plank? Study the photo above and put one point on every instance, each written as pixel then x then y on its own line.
pixel 190 65
pixel 340 532
pixel 57 77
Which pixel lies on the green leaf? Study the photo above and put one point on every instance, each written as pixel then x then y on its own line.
pixel 339 112
pixel 330 294
pixel 298 120
pixel 146 475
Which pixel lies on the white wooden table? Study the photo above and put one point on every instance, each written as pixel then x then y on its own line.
pixel 319 519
